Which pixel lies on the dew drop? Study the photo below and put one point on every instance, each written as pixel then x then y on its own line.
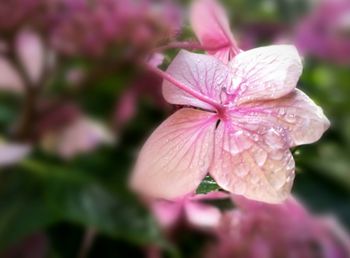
pixel 290 118
pixel 255 137
pixel 281 112
pixel 273 139
pixel 260 157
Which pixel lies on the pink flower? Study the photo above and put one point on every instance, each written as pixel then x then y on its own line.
pixel 11 153
pixel 191 208
pixel 81 135
pixel 324 33
pixel 239 122
pixel 31 54
pixel 260 230
pixel 212 28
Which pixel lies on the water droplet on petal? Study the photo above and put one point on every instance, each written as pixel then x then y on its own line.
pixel 281 112
pixel 260 157
pixel 273 139
pixel 290 118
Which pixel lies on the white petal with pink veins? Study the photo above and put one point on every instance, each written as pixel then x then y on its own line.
pixel 30 50
pixel 177 155
pixel 211 26
pixel 296 113
pixel 253 160
pixel 265 73
pixel 204 74
pixel 202 215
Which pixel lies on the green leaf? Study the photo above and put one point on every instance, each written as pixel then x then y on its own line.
pixel 207 185
pixel 41 194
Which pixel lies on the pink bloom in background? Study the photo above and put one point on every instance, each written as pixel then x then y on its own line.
pixel 14 13
pixel 93 27
pixel 65 130
pixel 30 51
pixel 11 153
pixel 212 28
pixel 260 230
pixel 82 135
pixel 325 32
pixel 191 208
pixel 239 122
pixel 145 85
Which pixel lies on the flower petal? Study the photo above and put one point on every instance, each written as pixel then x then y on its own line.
pixel 177 155
pixel 11 153
pixel 211 26
pixel 202 215
pixel 296 113
pixel 30 51
pixel 10 79
pixel 202 73
pixel 265 73
pixel 167 213
pixel 253 160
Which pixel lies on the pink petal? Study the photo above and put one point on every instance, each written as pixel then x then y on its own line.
pixel 167 213
pixel 252 159
pixel 82 136
pixel 202 215
pixel 30 51
pixel 296 113
pixel 9 79
pixel 265 73
pixel 12 153
pixel 211 26
pixel 177 155
pixel 204 74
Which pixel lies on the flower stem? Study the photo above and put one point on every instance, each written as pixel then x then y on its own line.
pixel 185 88
pixel 190 45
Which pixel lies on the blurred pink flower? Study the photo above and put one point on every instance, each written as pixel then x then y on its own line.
pixel 10 80
pixel 92 27
pixel 325 32
pixel 11 153
pixel 191 208
pixel 31 53
pixel 145 85
pixel 269 231
pixel 239 122
pixel 212 27
pixel 82 135
pixel 14 13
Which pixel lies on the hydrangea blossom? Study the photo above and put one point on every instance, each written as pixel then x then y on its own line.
pixel 238 123
pixel 324 33
pixel 260 230
pixel 191 207
pixel 11 153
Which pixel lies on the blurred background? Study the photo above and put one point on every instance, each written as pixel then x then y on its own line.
pixel 76 106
